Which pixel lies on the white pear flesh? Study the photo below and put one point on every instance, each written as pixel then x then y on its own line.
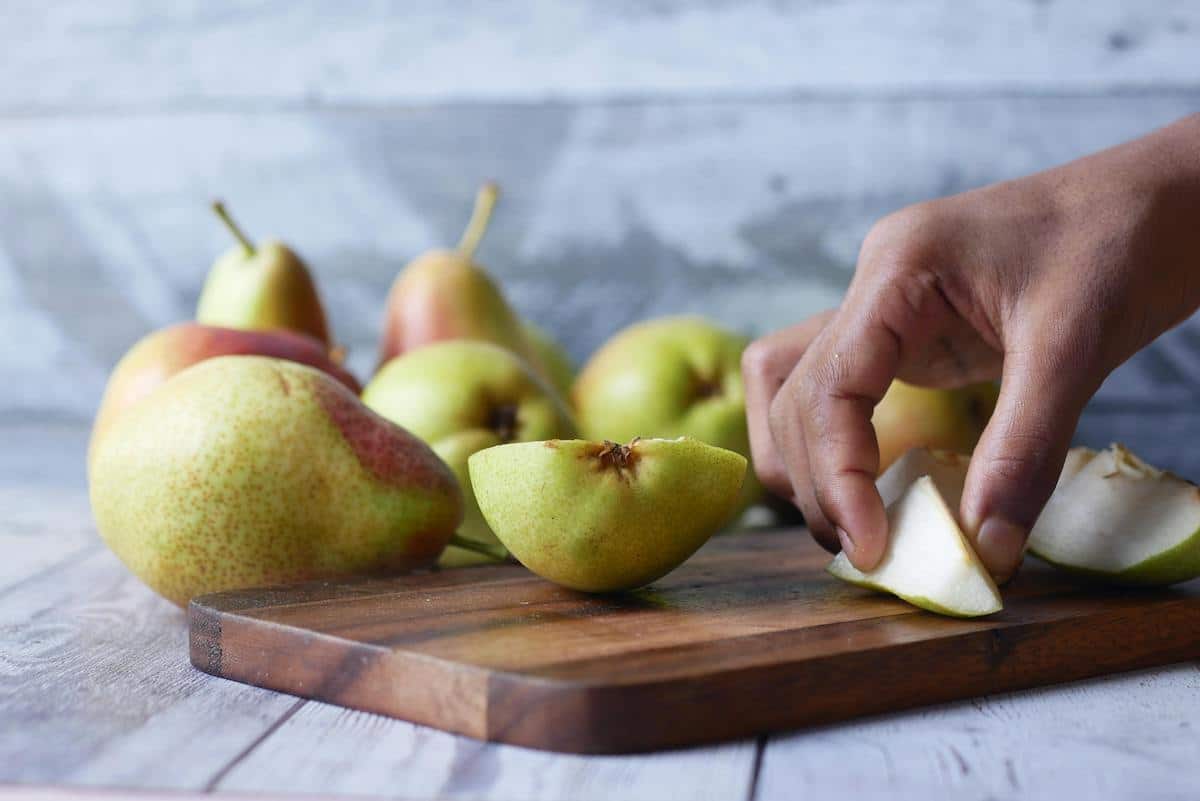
pixel 1077 459
pixel 947 469
pixel 928 561
pixel 1123 521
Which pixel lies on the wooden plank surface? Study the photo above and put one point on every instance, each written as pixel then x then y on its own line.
pixel 750 636
pixel 131 54
pixel 1130 735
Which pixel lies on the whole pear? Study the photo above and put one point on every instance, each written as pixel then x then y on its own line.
pixel 944 419
pixel 554 358
pixel 261 288
pixel 162 354
pixel 247 470
pixel 601 517
pixel 670 377
pixel 460 397
pixel 445 294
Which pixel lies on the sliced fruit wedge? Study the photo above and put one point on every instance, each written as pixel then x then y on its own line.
pixel 928 561
pixel 947 469
pixel 1123 521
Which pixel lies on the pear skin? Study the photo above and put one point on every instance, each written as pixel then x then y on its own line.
pixel 670 377
pixel 445 294
pixel 162 354
pixel 602 517
pixel 261 287
pixel 943 419
pixel 556 360
pixel 247 470
pixel 460 397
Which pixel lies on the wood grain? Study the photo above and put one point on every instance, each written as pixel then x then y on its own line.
pixel 751 624
pixel 306 53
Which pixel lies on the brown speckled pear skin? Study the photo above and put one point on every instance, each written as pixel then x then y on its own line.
pixel 268 289
pixel 162 354
pixel 247 470
pixel 461 397
pixel 602 517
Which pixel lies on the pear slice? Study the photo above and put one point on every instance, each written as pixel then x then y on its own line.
pixel 601 517
pixel 1077 459
pixel 928 561
pixel 947 469
pixel 1121 520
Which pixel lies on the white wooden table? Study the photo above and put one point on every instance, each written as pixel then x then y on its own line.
pixel 96 690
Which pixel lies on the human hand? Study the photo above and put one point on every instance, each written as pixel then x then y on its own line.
pixel 1048 282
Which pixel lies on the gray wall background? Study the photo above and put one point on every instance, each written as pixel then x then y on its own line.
pixel 658 157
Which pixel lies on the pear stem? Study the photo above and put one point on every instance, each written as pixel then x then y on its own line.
pixel 481 215
pixel 238 233
pixel 481 548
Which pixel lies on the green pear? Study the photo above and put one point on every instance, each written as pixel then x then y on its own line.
pixel 162 354
pixel 602 517
pixel 928 561
pixel 670 377
pixel 916 417
pixel 248 470
pixel 1077 459
pixel 1120 520
pixel 460 397
pixel 261 288
pixel 445 294
pixel 554 358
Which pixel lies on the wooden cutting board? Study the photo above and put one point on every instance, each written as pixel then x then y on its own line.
pixel 750 636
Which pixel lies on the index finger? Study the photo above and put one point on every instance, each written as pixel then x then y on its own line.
pixel 847 373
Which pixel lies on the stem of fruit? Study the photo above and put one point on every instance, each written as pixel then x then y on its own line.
pixel 237 232
pixel 481 215
pixel 496 554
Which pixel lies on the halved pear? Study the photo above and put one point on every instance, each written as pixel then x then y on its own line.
pixel 600 517
pixel 1121 520
pixel 928 561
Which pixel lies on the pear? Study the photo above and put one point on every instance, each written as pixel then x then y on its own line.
pixel 928 561
pixel 947 469
pixel 916 417
pixel 1077 459
pixel 248 470
pixel 261 288
pixel 554 358
pixel 670 377
pixel 602 517
pixel 461 397
pixel 445 294
pixel 1123 521
pixel 162 354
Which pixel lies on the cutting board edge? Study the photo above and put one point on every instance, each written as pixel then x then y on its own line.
pixel 575 716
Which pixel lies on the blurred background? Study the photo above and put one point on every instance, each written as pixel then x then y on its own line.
pixel 656 157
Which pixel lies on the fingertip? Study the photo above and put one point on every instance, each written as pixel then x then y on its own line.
pixel 1001 547
pixel 865 537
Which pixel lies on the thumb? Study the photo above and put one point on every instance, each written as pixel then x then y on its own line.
pixel 1019 457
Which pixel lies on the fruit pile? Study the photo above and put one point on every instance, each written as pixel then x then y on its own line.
pixel 236 451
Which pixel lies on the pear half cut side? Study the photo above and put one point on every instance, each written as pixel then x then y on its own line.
pixel 928 561
pixel 1123 521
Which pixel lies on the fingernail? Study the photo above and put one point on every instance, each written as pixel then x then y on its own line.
pixel 846 541
pixel 1001 546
